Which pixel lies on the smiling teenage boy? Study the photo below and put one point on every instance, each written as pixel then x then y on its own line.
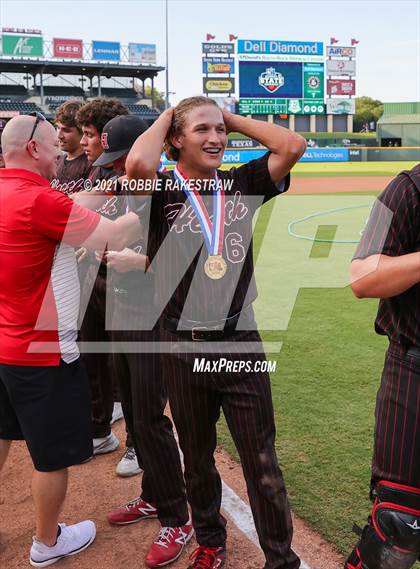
pixel 73 167
pixel 91 118
pixel 209 264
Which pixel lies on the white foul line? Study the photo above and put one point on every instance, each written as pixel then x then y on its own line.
pixel 240 513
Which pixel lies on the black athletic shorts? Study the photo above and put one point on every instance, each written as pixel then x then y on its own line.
pixel 49 408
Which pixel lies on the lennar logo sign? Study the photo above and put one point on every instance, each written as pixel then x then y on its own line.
pixel 271 80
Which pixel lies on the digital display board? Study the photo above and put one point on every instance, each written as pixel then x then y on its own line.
pixel 281 87
pixel 281 106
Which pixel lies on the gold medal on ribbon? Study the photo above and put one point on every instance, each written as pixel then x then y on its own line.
pixel 215 267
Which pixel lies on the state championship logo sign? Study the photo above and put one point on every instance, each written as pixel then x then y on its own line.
pixel 271 80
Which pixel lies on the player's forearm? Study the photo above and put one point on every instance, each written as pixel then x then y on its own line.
pixel 89 199
pixel 381 276
pixel 279 140
pixel 144 157
pixel 125 230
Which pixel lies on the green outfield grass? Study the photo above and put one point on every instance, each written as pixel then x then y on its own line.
pixel 329 365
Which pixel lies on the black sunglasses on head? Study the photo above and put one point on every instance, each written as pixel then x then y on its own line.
pixel 39 117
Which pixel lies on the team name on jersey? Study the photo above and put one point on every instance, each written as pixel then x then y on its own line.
pixel 181 216
pixel 109 207
pixel 68 187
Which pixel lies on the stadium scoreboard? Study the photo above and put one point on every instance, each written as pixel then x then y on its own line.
pixel 281 77
pixel 281 106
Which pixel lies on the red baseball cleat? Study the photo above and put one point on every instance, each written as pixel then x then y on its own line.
pixel 132 512
pixel 169 545
pixel 208 558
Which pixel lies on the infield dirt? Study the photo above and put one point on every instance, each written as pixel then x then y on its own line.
pixel 94 489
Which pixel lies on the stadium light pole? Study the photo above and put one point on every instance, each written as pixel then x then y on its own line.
pixel 167 57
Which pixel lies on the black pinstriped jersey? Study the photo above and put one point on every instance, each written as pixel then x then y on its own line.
pixel 393 229
pixel 176 243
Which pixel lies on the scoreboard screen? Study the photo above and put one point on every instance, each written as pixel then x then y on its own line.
pixel 281 87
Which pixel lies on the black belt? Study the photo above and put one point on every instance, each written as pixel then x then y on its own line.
pixel 413 351
pixel 204 331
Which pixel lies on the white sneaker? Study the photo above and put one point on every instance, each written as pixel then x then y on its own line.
pixel 128 465
pixel 105 444
pixel 72 540
pixel 117 413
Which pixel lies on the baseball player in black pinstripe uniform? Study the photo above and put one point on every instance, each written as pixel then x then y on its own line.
pixel 92 118
pixel 211 306
pixel 387 266
pixel 143 395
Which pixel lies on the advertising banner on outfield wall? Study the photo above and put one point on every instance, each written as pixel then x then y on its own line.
pixel 341 86
pixel 341 67
pixel 310 155
pixel 219 65
pixel 24 46
pixel 142 52
pixel 243 143
pixel 67 48
pixel 106 50
pixel 341 106
pixel 336 51
pixel 228 48
pixel 218 85
pixel 355 154
pixel 325 155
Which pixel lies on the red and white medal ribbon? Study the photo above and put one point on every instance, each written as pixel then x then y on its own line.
pixel 213 231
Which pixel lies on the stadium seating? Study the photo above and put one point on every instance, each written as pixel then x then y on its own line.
pixel 54 106
pixel 59 91
pixel 13 92
pixel 119 93
pixel 143 110
pixel 22 108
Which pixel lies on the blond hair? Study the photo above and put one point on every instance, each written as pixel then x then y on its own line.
pixel 179 119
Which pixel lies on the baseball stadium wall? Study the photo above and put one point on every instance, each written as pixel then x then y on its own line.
pixel 351 154
pixel 404 128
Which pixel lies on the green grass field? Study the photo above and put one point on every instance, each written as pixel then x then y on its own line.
pixel 330 362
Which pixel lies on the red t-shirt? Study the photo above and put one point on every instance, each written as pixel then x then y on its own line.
pixel 39 287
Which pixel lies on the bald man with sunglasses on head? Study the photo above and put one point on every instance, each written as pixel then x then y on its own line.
pixel 42 384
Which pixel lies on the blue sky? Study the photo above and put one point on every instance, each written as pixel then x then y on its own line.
pixel 388 58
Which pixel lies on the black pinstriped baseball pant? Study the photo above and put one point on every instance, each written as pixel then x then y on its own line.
pixel 397 431
pixel 196 400
pixel 143 399
pixel 98 366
